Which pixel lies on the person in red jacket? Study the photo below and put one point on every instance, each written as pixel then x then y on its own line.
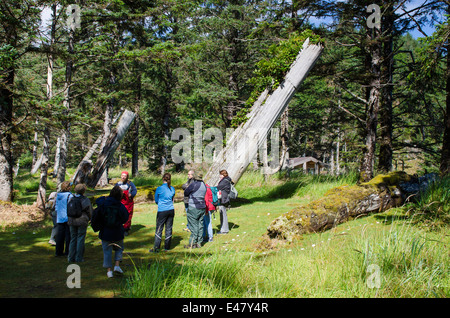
pixel 129 192
pixel 210 209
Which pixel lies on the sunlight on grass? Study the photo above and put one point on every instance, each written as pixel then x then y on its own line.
pixel 411 258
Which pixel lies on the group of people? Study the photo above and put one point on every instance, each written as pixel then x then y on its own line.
pixel 69 233
pixel 199 206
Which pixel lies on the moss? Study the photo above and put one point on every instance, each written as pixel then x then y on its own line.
pixel 389 180
pixel 338 205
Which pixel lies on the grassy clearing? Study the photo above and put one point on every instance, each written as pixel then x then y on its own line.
pixel 409 257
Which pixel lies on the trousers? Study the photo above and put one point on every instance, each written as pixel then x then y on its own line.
pixel 195 224
pixel 164 219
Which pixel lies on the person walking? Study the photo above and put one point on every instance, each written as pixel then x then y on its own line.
pixel 62 238
pixel 114 215
pixel 210 209
pixel 164 196
pixel 78 226
pixel 129 192
pixel 196 210
pixel 224 187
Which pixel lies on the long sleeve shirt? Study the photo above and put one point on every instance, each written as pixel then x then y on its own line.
pixel 164 197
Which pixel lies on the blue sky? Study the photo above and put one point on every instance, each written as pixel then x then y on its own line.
pixel 409 5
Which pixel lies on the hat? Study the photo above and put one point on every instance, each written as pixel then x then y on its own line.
pixel 125 172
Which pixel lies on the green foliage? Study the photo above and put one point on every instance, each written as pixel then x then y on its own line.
pixel 432 208
pixel 270 71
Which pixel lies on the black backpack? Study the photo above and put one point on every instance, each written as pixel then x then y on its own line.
pixel 74 207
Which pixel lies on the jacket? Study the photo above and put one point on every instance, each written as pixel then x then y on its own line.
pixel 61 206
pixel 209 199
pixel 225 186
pixel 129 192
pixel 130 187
pixel 113 234
pixel 164 197
pixel 196 192
pixel 86 213
pixel 184 187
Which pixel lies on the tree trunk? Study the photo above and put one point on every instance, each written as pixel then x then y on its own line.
pixel 35 145
pixel 285 138
pixel 110 147
pixel 135 155
pixel 79 176
pixel 373 106
pixel 106 133
pixel 445 154
pixel 57 152
pixel 248 137
pixel 40 201
pixel 385 155
pixel 42 191
pixel 6 163
pixel 61 174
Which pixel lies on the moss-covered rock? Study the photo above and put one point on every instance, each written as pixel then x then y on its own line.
pixel 339 205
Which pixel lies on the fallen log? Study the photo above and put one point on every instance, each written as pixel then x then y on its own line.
pixel 340 205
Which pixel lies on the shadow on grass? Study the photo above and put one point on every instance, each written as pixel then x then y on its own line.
pixel 283 191
pixel 29 267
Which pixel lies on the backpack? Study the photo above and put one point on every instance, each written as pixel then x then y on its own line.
pixel 233 192
pixel 111 216
pixel 74 207
pixel 215 197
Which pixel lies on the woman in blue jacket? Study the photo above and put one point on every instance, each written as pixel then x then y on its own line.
pixel 63 231
pixel 164 196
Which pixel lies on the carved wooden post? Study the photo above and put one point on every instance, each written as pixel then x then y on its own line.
pixel 110 147
pixel 247 138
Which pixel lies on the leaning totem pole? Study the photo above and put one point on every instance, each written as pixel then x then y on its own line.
pixel 245 141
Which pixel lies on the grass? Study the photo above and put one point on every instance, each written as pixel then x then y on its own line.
pixel 409 258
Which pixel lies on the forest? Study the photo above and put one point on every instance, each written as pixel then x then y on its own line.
pixel 377 100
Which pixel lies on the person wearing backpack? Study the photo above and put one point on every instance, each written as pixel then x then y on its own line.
pixel 164 196
pixel 78 222
pixel 62 238
pixel 113 215
pixel 224 187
